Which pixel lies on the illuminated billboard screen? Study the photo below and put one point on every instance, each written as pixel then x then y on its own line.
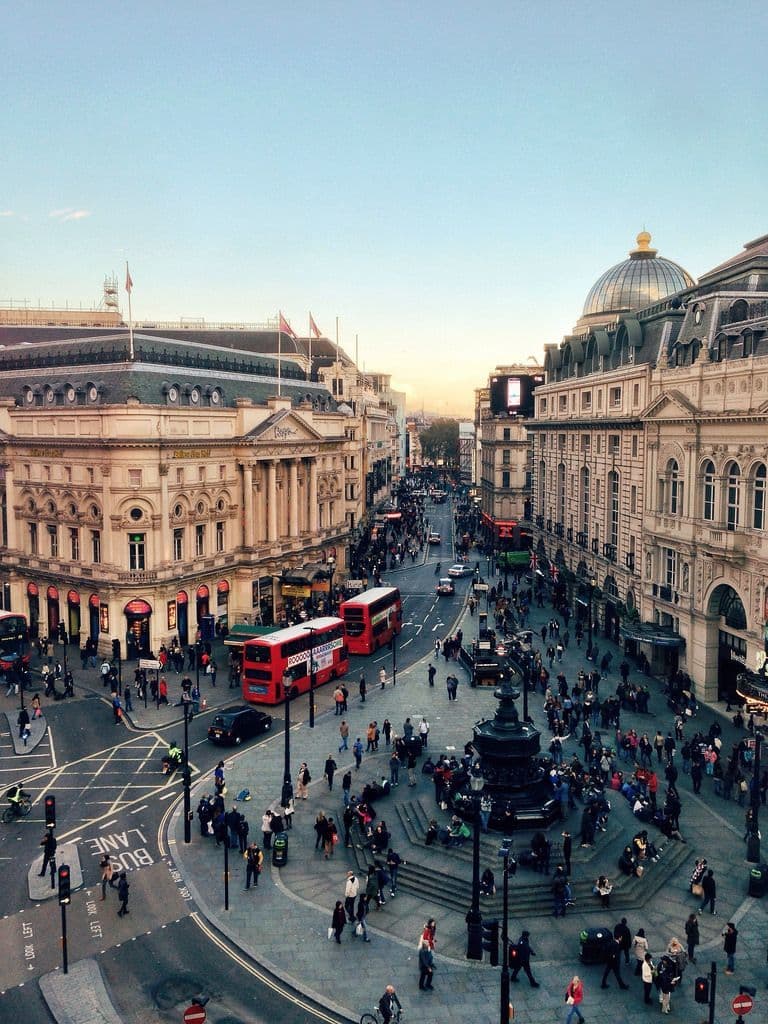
pixel 513 396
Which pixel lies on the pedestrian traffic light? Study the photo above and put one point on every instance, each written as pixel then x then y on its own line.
pixel 64 880
pixel 50 811
pixel 116 649
pixel 62 633
pixel 514 955
pixel 701 990
pixel 491 940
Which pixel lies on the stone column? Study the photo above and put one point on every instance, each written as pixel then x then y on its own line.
pixel 165 527
pixel 107 553
pixel 272 501
pixel 248 535
pixel 313 512
pixel 10 508
pixel 293 498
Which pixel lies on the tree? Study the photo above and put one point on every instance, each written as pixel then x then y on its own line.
pixel 440 441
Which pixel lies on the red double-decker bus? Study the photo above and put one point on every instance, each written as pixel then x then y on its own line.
pixel 14 641
pixel 285 654
pixel 372 618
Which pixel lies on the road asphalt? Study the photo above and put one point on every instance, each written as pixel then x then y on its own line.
pixel 282 923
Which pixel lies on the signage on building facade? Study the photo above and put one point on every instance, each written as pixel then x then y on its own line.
pixel 191 453
pixel 296 590
pixel 46 453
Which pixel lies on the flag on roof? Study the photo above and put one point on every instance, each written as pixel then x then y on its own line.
pixel 313 327
pixel 534 560
pixel 285 327
pixel 128 279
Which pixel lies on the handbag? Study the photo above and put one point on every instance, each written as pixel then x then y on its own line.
pixel 569 1000
pixel 697 889
pixel 330 933
pixel 358 929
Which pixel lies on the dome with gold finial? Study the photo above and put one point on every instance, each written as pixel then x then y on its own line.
pixel 640 281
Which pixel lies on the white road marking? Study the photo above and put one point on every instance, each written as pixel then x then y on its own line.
pixel 108 823
pixel 137 809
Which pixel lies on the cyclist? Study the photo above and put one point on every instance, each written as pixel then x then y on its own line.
pixel 173 758
pixel 13 796
pixel 389 1004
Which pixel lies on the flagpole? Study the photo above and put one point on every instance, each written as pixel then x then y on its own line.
pixel 310 348
pixel 279 355
pixel 337 359
pixel 129 283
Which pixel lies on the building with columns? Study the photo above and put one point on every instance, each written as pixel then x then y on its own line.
pixel 147 484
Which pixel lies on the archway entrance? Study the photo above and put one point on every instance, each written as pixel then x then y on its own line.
pixel 727 612
pixel 33 598
pixel 182 617
pixel 93 618
pixel 137 633
pixel 52 595
pixel 203 598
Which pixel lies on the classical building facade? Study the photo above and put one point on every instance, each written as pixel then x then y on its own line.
pixel 650 458
pixel 151 481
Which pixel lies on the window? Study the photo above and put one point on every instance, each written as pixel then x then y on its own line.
pixel 561 442
pixel 598 444
pixel 26 471
pixel 89 471
pixel 33 538
pixel 180 475
pixel 53 541
pixel 68 474
pixel 599 399
pixel 506 434
pixel 708 510
pixel 201 474
pixel 733 493
pixel 222 472
pixel 505 478
pixel 505 457
pixel 758 498
pixel 614 444
pixel 561 493
pixel 220 536
pixel 200 539
pixel 137 551
pixel 670 567
pixel 95 546
pixel 541 488
pixel 178 545
pixel 585 500
pixel 615 396
pixel 634 446
pixel 585 442
pixel 633 498
pixel 613 510
pixel 74 544
pixel 134 477
pixel 46 472
pixel 542 406
pixel 586 399
pixel 636 393
pixel 675 488
pixel 563 403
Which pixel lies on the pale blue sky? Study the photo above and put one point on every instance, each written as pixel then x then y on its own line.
pixel 448 179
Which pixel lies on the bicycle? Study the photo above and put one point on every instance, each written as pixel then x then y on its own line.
pixel 20 810
pixel 376 1017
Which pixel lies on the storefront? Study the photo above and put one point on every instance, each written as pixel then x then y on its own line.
pixel 203 600
pixel 263 601
pixel 52 597
pixel 222 605
pixel 73 617
pixel 33 600
pixel 138 614
pixel 93 618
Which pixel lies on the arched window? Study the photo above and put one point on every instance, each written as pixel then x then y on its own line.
pixel 708 504
pixel 739 311
pixel 748 343
pixel 721 348
pixel 613 508
pixel 675 488
pixel 733 496
pixel 758 497
pixel 585 500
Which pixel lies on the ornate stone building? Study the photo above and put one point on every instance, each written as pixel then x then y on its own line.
pixel 650 461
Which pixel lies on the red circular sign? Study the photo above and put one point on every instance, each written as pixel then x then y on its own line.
pixel 194 1014
pixel 741 1004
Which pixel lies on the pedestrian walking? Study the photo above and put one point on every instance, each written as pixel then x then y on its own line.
pixel 49 844
pixel 357 751
pixel 254 859
pixel 692 936
pixel 361 918
pixel 639 949
pixel 386 728
pixel 730 936
pixel 329 771
pixel 431 673
pixel 107 872
pixel 266 829
pixel 122 894
pixel 363 687
pixel 319 827
pixel 346 787
pixel 613 965
pixel 351 892
pixel 567 849
pixel 303 780
pixel 524 954
pixel 344 734
pixel 574 996
pixel 338 920
pixel 646 972
pixel 394 769
pixel 382 677
pixel 709 887
pixel 330 838
pixel 623 936
pixel 426 966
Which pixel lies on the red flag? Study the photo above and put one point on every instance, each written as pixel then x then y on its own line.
pixel 553 572
pixel 128 279
pixel 285 327
pixel 313 327
pixel 534 561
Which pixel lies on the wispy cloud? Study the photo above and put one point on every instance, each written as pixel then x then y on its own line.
pixel 69 214
pixel 7 213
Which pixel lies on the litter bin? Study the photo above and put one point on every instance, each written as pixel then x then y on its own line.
pixel 594 945
pixel 758 880
pixel 280 850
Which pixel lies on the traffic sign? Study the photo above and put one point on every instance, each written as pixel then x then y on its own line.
pixel 194 1014
pixel 741 1004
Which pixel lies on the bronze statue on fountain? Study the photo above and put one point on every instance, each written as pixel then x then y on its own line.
pixel 510 762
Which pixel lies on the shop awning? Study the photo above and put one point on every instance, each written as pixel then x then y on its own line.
pixel 652 633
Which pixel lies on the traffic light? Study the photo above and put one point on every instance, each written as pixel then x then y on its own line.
pixel 50 810
pixel 514 955
pixel 491 940
pixel 64 880
pixel 116 649
pixel 701 990
pixel 62 633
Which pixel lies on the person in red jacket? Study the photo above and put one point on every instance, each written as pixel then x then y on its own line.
pixel 574 995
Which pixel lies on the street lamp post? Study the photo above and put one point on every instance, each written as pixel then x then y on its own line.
pixel 331 562
pixel 287 785
pixel 474 917
pixel 592 584
pixel 505 853
pixel 185 775
pixel 311 676
pixel 394 659
pixel 753 838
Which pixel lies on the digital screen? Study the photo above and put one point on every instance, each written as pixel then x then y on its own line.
pixel 514 395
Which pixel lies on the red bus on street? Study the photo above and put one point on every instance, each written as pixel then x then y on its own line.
pixel 286 652
pixel 14 641
pixel 372 618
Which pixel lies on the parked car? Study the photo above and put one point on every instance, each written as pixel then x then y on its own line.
pixel 445 587
pixel 235 724
pixel 459 570
pixel 434 538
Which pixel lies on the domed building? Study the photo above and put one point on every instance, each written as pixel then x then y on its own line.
pixel 637 282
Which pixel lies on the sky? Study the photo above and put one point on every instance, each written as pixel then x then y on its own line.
pixel 448 180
